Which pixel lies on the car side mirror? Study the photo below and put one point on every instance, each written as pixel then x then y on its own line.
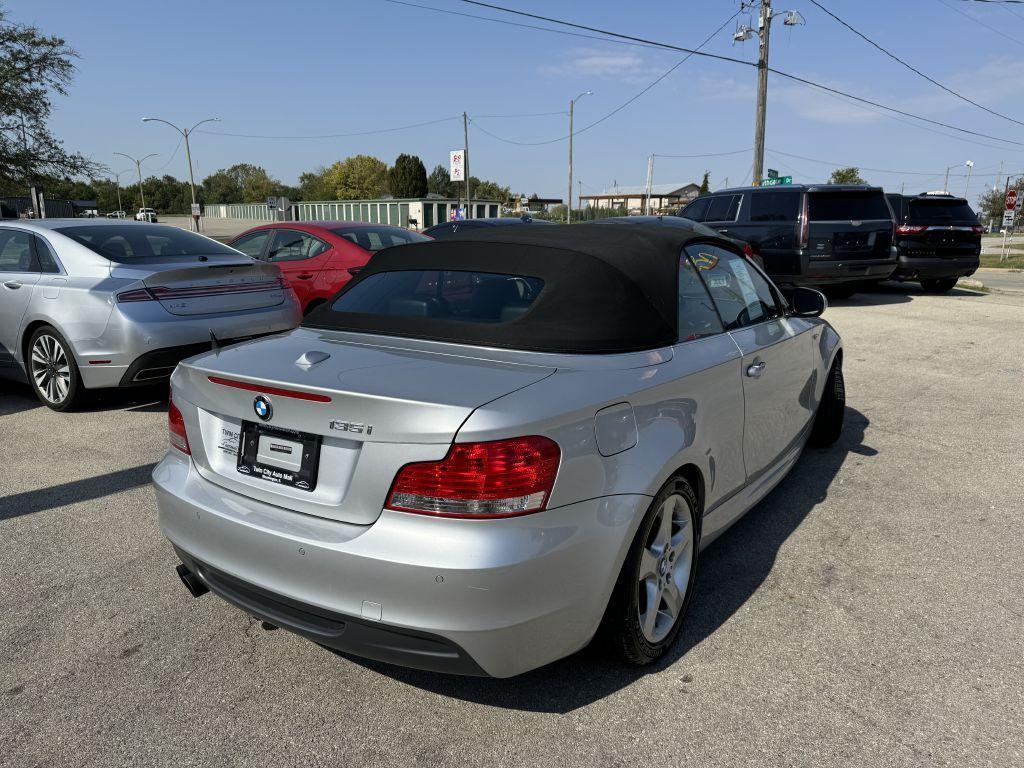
pixel 807 302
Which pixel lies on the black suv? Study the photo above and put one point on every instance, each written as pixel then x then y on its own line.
pixel 938 239
pixel 825 235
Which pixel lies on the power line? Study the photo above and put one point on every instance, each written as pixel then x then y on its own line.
pixel 989 27
pixel 780 73
pixel 334 135
pixel 911 67
pixel 928 174
pixel 712 154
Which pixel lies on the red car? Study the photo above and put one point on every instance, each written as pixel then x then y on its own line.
pixel 319 257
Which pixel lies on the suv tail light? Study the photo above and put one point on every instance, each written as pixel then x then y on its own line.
pixel 176 429
pixel 140 294
pixel 977 229
pixel 911 229
pixel 500 478
pixel 803 233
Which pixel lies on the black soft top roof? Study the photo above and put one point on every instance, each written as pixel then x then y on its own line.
pixel 606 289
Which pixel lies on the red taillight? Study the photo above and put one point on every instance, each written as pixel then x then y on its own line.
pixel 141 294
pixel 804 226
pixel 176 429
pixel 978 229
pixel 910 229
pixel 501 478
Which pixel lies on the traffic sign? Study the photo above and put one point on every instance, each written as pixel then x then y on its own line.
pixel 195 209
pixel 776 181
pixel 772 173
pixel 272 203
pixel 1008 217
pixel 1011 199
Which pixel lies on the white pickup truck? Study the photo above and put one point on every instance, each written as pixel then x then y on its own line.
pixel 146 214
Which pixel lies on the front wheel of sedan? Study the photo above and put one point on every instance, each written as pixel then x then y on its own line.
pixel 653 591
pixel 52 370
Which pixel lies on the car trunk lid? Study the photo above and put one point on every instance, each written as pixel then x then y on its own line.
pixel 355 401
pixel 207 285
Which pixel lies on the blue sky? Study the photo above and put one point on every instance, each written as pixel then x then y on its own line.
pixel 320 67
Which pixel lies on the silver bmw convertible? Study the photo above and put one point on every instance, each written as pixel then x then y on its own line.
pixel 488 451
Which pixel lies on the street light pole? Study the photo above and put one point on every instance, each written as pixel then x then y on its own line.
pixel 188 152
pixel 138 167
pixel 568 203
pixel 117 186
pixel 764 32
pixel 970 167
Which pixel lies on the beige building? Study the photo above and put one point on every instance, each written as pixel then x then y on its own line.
pixel 663 197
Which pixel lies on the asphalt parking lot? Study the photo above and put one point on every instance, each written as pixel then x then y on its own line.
pixel 868 612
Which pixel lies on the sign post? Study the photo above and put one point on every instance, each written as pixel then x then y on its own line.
pixel 1013 201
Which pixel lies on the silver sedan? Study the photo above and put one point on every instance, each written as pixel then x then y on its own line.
pixel 86 303
pixel 489 450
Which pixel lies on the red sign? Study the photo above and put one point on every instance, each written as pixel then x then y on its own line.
pixel 1011 199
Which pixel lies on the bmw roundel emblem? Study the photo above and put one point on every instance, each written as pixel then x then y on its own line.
pixel 262 407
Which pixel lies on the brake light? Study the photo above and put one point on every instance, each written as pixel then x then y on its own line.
pixel 977 229
pixel 910 229
pixel 500 478
pixel 176 429
pixel 140 294
pixel 804 226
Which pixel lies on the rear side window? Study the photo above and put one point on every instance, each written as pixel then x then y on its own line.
pixel 253 243
pixel 373 239
pixel 696 209
pixel 16 251
pixel 741 295
pixel 847 206
pixel 940 211
pixel 723 208
pixel 47 261
pixel 472 297
pixel 290 245
pixel 775 205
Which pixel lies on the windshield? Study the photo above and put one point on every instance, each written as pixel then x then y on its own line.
pixel 848 206
pixel 373 239
pixel 128 242
pixel 940 211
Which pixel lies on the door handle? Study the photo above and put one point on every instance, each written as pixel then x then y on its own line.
pixel 305 276
pixel 755 369
pixel 724 231
pixel 12 284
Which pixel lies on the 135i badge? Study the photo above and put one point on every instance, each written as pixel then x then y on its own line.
pixel 351 426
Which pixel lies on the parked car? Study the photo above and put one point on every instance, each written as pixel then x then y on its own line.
pixel 91 303
pixel 146 214
pixel 671 220
pixel 488 449
pixel 825 235
pixel 450 228
pixel 117 215
pixel 317 258
pixel 938 239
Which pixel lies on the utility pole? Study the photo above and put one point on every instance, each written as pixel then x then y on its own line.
pixel 188 153
pixel 138 167
pixel 764 29
pixel 650 183
pixel 568 203
pixel 117 186
pixel 465 161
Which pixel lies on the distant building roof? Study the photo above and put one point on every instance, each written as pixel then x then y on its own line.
pixel 657 190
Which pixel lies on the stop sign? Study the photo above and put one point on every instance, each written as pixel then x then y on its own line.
pixel 1011 199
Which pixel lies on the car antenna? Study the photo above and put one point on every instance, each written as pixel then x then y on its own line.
pixel 214 343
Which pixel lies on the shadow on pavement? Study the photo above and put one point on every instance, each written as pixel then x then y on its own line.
pixel 16 396
pixel 732 569
pixel 30 502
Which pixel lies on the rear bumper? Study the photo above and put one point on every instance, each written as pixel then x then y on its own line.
pixel 912 267
pixel 496 597
pixel 819 272
pixel 158 365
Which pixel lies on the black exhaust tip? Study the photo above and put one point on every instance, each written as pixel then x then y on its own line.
pixel 192 583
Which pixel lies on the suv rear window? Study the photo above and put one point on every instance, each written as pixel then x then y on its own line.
pixel 940 211
pixel 374 239
pixel 128 242
pixel 847 206
pixel 471 297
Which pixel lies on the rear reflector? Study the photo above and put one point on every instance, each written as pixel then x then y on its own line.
pixel 264 389
pixel 501 478
pixel 176 429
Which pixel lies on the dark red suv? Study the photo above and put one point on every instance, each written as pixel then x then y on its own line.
pixel 318 257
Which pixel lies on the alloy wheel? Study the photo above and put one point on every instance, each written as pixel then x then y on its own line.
pixel 50 369
pixel 665 565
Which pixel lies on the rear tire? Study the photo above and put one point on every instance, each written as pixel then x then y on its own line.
pixel 654 588
pixel 52 370
pixel 828 422
pixel 944 285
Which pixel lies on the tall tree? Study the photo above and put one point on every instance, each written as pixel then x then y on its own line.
pixel 33 67
pixel 705 185
pixel 241 183
pixel 489 190
pixel 359 177
pixel 849 175
pixel 408 177
pixel 439 181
